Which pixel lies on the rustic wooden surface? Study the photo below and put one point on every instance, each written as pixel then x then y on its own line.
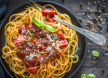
pixel 99 66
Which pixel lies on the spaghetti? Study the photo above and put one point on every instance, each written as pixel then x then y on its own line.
pixel 24 48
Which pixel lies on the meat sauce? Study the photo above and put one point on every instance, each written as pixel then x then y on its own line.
pixel 32 40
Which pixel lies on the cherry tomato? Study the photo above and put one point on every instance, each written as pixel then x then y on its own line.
pixel 48 11
pixel 33 70
pixel 49 18
pixel 60 34
pixel 63 43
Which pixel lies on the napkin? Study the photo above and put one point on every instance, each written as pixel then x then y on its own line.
pixel 3 8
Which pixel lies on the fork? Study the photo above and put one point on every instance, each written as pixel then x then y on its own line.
pixel 96 38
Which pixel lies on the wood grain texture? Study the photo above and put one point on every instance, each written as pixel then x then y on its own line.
pixel 98 66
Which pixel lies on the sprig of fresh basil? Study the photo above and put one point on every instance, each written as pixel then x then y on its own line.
pixel 43 26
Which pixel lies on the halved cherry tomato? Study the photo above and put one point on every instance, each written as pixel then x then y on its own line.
pixel 60 34
pixel 49 18
pixel 63 43
pixel 48 11
pixel 33 70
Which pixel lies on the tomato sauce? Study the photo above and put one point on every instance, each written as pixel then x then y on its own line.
pixel 36 46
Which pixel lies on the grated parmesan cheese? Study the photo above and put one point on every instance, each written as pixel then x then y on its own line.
pixel 48 48
pixel 53 44
pixel 49 37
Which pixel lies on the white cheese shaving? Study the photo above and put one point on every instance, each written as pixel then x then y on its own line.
pixel 32 55
pixel 53 44
pixel 41 58
pixel 49 37
pixel 23 31
pixel 19 38
pixel 48 48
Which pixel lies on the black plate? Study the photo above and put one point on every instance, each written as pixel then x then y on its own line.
pixel 62 9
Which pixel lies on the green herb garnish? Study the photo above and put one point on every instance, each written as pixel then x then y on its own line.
pixel 38 23
pixel 91 76
pixel 50 28
pixel 43 26
pixel 83 75
pixel 95 53
pixel 26 41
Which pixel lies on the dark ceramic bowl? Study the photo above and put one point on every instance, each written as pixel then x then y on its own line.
pixel 81 39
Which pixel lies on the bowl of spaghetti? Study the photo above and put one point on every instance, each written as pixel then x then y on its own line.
pixel 34 45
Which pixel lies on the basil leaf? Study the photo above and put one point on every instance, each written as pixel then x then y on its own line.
pixel 36 22
pixel 95 53
pixel 50 28
pixel 83 75
pixel 91 76
pixel 43 26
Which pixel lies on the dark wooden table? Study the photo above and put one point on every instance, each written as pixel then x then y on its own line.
pixel 98 66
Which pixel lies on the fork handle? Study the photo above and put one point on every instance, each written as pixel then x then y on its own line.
pixel 97 38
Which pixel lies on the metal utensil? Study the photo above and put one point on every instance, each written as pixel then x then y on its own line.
pixel 97 38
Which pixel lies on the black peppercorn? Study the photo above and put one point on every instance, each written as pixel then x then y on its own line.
pixel 94 21
pixel 81 6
